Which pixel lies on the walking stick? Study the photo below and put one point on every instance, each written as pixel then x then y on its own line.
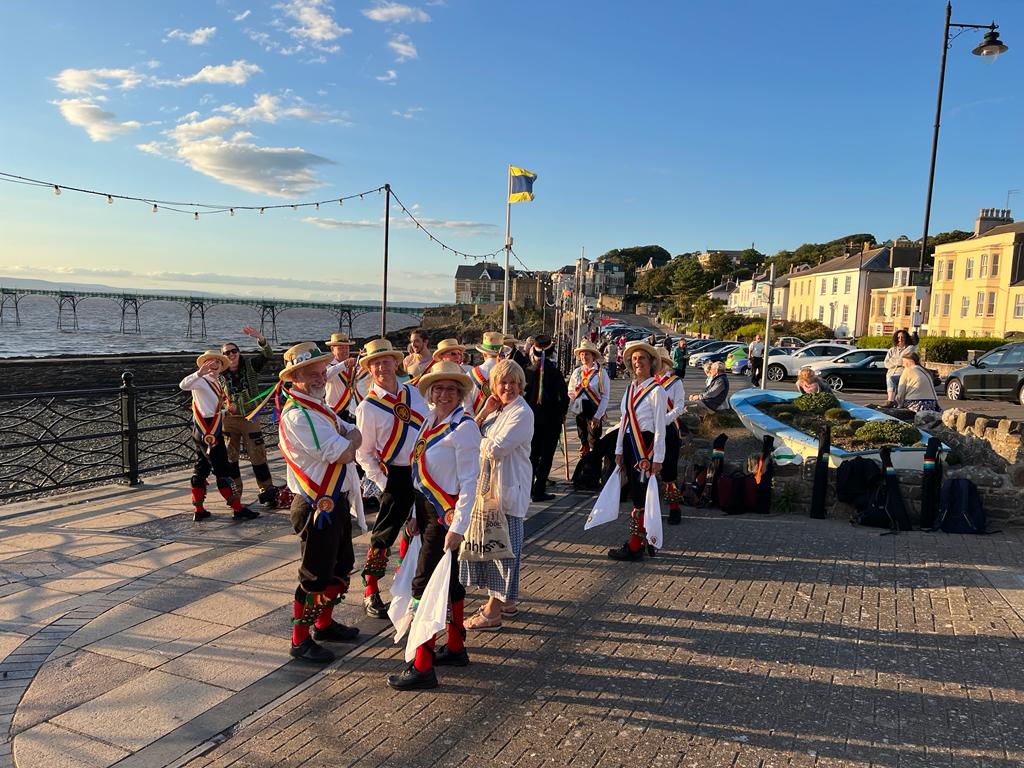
pixel 565 452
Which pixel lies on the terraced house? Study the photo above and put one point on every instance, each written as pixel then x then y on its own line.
pixel 978 284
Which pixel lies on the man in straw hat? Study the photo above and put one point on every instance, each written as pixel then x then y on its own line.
pixel 242 379
pixel 589 390
pixel 491 348
pixel 547 395
pixel 342 395
pixel 676 397
pixel 419 357
pixel 318 448
pixel 389 418
pixel 209 401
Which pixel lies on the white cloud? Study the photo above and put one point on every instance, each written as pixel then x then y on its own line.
pixel 403 48
pixel 99 124
pixel 193 129
pixel 392 13
pixel 391 78
pixel 152 148
pixel 457 228
pixel 409 113
pixel 237 72
pixel 243 15
pixel 90 80
pixel 199 36
pixel 317 221
pixel 267 108
pixel 314 23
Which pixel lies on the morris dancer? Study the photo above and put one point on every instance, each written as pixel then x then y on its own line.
pixel 446 464
pixel 388 418
pixel 318 449
pixel 590 386
pixel 208 404
pixel 450 350
pixel 491 348
pixel 640 447
pixel 676 395
pixel 342 395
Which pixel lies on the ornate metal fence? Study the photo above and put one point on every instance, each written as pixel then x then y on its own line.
pixel 60 440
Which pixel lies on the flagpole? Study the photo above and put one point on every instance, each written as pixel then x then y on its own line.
pixel 384 294
pixel 508 251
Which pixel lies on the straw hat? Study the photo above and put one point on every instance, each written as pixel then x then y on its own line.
pixel 302 355
pixel 666 357
pixel 338 340
pixel 510 341
pixel 587 346
pixel 445 371
pixel 635 346
pixel 448 345
pixel 379 348
pixel 492 343
pixel 211 354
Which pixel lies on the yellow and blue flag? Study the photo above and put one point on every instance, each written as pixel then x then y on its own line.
pixel 520 184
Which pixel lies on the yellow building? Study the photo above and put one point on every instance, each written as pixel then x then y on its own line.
pixel 978 284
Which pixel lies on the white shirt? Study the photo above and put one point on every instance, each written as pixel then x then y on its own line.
pixel 650 413
pixel 507 437
pixel 677 394
pixel 375 425
pixel 600 384
pixel 756 349
pixel 454 464
pixel 298 433
pixel 336 387
pixel 207 392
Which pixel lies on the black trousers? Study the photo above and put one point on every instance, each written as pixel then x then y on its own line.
pixel 756 363
pixel 542 450
pixel 326 555
pixel 670 467
pixel 588 436
pixel 637 487
pixel 432 535
pixel 395 508
pixel 211 458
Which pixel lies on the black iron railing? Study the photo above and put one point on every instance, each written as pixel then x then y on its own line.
pixel 60 440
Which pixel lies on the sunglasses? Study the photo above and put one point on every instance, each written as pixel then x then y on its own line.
pixel 230 351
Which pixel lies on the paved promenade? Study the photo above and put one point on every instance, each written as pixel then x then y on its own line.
pixel 130 636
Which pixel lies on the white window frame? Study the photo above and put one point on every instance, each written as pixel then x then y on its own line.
pixel 990 308
pixel 969 269
pixel 979 308
pixel 965 306
pixel 995 265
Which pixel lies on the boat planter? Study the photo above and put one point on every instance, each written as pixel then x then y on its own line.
pixel 747 404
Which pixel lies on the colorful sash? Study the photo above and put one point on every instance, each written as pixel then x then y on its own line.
pixel 442 501
pixel 403 417
pixel 323 496
pixel 482 388
pixel 666 384
pixel 348 379
pixel 585 388
pixel 540 378
pixel 209 427
pixel 642 452
pixel 416 379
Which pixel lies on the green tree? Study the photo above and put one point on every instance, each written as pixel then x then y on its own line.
pixel 631 258
pixel 689 281
pixel 655 283
pixel 719 265
pixel 704 308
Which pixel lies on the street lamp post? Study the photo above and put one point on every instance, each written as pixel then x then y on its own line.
pixel 991 46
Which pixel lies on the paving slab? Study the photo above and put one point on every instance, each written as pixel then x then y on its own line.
pixel 233 660
pixel 111 622
pixel 158 640
pixel 53 747
pixel 235 605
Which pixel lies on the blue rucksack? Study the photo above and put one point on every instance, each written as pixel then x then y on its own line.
pixel 960 509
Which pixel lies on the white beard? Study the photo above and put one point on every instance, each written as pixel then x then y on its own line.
pixel 319 393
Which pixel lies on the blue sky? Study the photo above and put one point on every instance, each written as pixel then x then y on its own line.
pixel 688 124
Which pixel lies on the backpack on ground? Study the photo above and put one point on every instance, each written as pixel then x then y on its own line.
pixel 737 492
pixel 960 509
pixel 857 480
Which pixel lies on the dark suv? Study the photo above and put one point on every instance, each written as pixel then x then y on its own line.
pixel 997 375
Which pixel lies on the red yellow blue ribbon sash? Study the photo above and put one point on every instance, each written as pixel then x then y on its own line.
pixel 586 375
pixel 482 388
pixel 416 379
pixel 442 501
pixel 322 495
pixel 641 451
pixel 347 377
pixel 209 427
pixel 666 384
pixel 404 418
pixel 540 378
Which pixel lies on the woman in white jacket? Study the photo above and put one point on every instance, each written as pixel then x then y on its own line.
pixel 506 422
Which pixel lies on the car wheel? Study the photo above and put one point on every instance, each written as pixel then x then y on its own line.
pixel 776 372
pixel 954 389
pixel 836 382
pixel 1020 394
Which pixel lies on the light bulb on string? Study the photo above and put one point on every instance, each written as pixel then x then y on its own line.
pixel 196 215
pixel 56 190
pixel 154 208
pixel 318 206
pixel 261 210
pixel 231 211
pixel 295 208
pixel 110 200
pixel 341 201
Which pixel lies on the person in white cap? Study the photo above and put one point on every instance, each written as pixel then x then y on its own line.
pixel 389 418
pixel 318 448
pixel 446 464
pixel 342 395
pixel 209 403
pixel 589 390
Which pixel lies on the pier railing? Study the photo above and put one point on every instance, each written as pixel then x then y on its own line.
pixel 59 440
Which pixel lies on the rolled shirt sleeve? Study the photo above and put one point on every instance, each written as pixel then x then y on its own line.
pixel 606 386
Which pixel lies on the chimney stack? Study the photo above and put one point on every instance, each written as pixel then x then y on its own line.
pixel 865 247
pixel 991 217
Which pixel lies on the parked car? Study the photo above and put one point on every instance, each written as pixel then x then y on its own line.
pixel 854 356
pixel 697 358
pixel 997 375
pixel 738 362
pixel 787 365
pixel 867 373
pixel 719 355
pixel 698 345
pixel 791 341
pixel 844 342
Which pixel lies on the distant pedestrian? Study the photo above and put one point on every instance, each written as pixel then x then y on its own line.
pixel 808 382
pixel 894 362
pixel 755 355
pixel 680 358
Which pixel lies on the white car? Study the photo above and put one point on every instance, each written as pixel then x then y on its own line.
pixel 780 367
pixel 854 356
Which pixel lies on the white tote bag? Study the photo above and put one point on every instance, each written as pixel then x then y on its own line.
pixel 400 610
pixel 652 514
pixel 607 507
pixel 432 612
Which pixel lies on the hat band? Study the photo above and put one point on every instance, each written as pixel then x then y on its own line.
pixel 491 347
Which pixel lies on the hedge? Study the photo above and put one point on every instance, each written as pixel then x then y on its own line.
pixel 938 349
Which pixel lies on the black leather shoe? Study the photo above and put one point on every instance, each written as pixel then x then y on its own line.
pixel 542 497
pixel 413 680
pixel 245 514
pixel 651 551
pixel 201 514
pixel 375 607
pixel 308 650
pixel 335 633
pixel 675 516
pixel 443 657
pixel 625 553
pixel 268 498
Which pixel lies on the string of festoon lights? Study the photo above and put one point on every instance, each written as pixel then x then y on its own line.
pixel 208 209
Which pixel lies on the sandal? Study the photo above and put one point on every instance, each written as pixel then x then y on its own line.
pixel 508 613
pixel 484 623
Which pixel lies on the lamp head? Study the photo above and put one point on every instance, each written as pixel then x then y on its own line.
pixel 991 46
